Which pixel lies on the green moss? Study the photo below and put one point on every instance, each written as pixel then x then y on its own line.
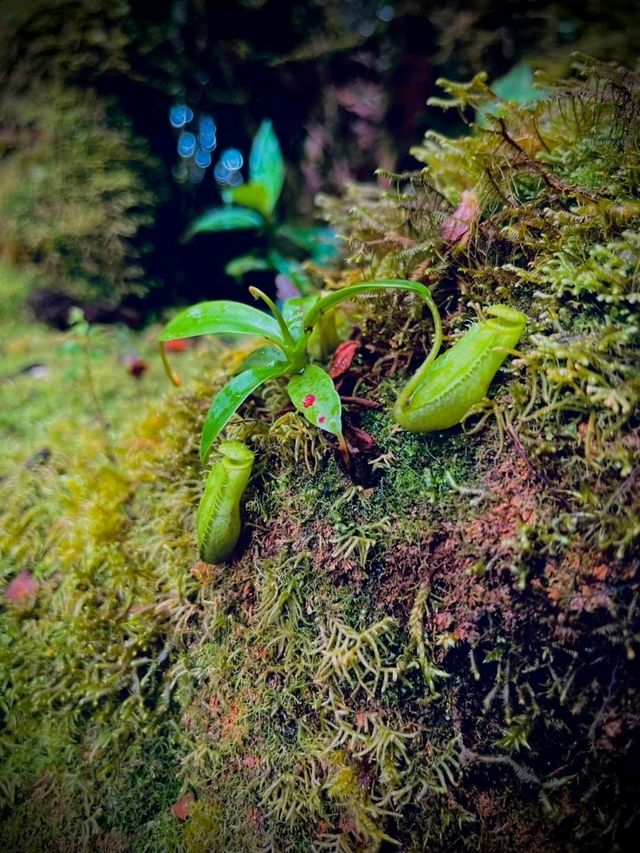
pixel 443 655
pixel 76 197
pixel 145 788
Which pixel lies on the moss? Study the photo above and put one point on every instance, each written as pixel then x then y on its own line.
pixel 67 177
pixel 146 787
pixel 82 663
pixel 443 654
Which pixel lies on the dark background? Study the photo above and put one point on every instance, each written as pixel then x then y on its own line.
pixel 345 83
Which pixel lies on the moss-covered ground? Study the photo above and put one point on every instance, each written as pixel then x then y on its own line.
pixel 433 651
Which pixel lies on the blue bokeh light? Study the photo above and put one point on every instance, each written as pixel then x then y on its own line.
pixel 202 158
pixel 232 159
pixel 179 115
pixel 385 13
pixel 196 174
pixel 195 149
pixel 221 173
pixel 207 133
pixel 186 144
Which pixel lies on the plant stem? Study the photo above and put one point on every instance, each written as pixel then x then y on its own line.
pixel 286 334
pixel 99 411
pixel 344 450
pixel 175 379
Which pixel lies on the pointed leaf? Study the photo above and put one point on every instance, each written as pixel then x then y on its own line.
pixel 516 86
pixel 244 264
pixel 222 317
pixel 266 165
pixel 342 358
pixel 230 398
pixel 254 195
pixel 313 393
pixel 263 357
pixel 227 218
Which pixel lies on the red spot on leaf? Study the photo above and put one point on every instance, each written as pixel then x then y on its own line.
pixel 342 358
pixel 321 419
pixel 309 400
pixel 22 588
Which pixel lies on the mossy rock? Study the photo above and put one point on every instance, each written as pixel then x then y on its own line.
pixel 438 655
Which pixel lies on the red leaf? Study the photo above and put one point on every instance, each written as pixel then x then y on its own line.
pixel 361 440
pixel 342 358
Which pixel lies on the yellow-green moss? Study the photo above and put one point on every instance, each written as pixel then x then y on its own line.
pixel 440 656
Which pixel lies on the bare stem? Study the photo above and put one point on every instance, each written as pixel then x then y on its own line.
pixel 167 367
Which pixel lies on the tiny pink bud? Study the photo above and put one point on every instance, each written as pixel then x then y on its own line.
pixel 455 228
pixel 22 588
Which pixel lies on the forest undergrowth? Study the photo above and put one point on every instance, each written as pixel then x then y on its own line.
pixel 436 650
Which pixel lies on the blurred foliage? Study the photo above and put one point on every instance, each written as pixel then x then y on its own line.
pixel 252 206
pixel 77 195
pixel 63 466
pixel 345 85
pixel 496 35
pixel 43 377
pixel 80 186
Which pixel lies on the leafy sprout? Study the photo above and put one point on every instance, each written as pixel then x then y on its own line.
pixel 251 206
pixel 310 388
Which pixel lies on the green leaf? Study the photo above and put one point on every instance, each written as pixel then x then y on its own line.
pixel 292 269
pixel 222 317
pixel 227 218
pixel 254 195
pixel 515 86
pixel 244 264
pixel 294 312
pixel 328 302
pixel 230 398
pixel 266 165
pixel 263 357
pixel 320 243
pixel 313 393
